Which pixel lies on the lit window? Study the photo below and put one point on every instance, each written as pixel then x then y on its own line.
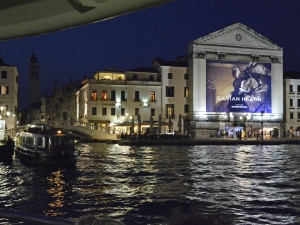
pixel 4 90
pixel 94 94
pixel 104 95
pixel 186 92
pixel 152 96
pixel 170 111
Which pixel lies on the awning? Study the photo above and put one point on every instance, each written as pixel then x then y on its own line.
pixel 143 123
pixel 98 121
pixel 125 124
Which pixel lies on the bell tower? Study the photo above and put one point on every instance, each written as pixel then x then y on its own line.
pixel 34 80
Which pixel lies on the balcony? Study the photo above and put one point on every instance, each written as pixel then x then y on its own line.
pixel 136 100
pixel 144 82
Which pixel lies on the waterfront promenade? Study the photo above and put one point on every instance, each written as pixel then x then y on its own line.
pixel 211 141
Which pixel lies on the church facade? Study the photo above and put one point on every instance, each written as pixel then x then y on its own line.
pixel 235 80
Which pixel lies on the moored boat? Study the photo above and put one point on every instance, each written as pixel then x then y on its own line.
pixel 44 145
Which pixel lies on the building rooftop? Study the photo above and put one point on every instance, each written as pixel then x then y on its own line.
pixel 180 61
pixel 143 70
pixel 2 63
pixel 291 74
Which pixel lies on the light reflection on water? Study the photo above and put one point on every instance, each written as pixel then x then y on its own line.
pixel 147 185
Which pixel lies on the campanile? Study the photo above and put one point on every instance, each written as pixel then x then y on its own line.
pixel 34 80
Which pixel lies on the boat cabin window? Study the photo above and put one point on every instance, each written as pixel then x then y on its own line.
pixel 28 142
pixel 61 140
pixel 41 142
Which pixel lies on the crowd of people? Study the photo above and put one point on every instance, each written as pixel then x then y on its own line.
pixel 155 137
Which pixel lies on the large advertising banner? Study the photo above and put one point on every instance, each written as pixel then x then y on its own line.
pixel 238 87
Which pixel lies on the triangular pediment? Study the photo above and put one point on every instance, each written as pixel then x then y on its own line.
pixel 237 35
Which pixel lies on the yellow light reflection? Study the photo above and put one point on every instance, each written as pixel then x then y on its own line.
pixel 57 191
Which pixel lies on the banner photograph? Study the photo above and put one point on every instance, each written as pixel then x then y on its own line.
pixel 238 87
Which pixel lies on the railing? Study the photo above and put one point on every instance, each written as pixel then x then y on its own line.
pixel 93 131
pixel 12 132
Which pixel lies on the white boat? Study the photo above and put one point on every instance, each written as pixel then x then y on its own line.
pixel 42 145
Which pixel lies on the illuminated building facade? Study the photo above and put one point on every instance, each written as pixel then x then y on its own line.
pixel 112 98
pixel 291 101
pixel 235 79
pixel 8 94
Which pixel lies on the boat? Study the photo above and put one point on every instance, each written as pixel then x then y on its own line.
pixel 46 145
pixel 6 152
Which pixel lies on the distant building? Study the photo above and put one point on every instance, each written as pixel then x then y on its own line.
pixel 291 101
pixel 64 101
pixel 8 94
pixel 33 113
pixel 47 108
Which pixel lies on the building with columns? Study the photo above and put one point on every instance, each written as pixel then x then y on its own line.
pixel 235 79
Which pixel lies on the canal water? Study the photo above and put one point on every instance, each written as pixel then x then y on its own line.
pixel 154 185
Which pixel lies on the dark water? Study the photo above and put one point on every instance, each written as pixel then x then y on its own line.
pixel 151 185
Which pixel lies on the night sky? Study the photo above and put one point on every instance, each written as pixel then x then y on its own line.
pixel 133 40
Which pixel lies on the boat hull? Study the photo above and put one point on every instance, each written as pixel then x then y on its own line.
pixel 38 159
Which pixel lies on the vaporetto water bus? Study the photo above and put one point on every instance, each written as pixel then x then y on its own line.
pixel 45 145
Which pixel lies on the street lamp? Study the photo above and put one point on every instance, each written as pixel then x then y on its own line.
pixel 262 125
